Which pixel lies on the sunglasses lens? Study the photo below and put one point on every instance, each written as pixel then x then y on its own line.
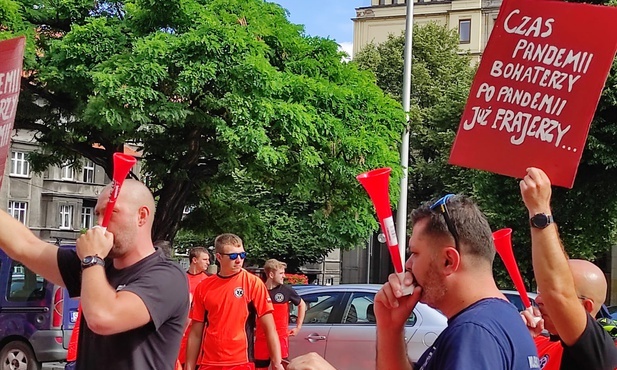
pixel 243 255
pixel 233 256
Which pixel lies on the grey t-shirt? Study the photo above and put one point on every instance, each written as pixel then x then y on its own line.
pixel 162 286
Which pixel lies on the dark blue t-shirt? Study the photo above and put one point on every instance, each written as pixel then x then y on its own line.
pixel 488 335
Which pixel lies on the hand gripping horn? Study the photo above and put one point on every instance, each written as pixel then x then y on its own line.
pixel 376 183
pixel 122 166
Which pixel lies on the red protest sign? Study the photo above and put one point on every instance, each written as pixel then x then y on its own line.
pixel 11 62
pixel 537 88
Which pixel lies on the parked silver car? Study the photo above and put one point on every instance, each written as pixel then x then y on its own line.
pixel 516 300
pixel 340 326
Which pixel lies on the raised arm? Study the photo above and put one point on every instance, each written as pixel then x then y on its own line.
pixel 391 311
pixel 550 263
pixel 106 310
pixel 18 242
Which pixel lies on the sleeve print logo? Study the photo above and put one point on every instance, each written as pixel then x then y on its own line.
pixel 279 297
pixel 238 292
pixel 544 361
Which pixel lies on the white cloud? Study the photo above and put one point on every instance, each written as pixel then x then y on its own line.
pixel 346 47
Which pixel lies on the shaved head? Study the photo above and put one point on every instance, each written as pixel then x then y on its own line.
pixel 132 217
pixel 589 281
pixel 134 194
pixel 138 195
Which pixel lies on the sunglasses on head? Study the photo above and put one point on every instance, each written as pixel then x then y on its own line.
pixel 440 206
pixel 234 256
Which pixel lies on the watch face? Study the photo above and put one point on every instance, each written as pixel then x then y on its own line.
pixel 88 259
pixel 540 220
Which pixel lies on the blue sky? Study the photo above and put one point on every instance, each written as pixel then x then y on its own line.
pixel 326 18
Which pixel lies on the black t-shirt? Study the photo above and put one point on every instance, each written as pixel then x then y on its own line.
pixel 284 293
pixel 162 286
pixel 280 295
pixel 595 350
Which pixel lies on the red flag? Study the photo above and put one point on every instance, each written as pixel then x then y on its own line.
pixel 11 62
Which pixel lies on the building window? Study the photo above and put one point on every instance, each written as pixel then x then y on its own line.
pixel 88 172
pixel 18 210
pixel 66 217
pixel 68 172
pixel 19 164
pixel 87 217
pixel 464 31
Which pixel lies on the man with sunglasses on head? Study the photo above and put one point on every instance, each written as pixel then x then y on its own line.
pixel 227 305
pixel 451 262
pixel 570 292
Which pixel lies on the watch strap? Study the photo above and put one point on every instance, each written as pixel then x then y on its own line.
pixel 90 261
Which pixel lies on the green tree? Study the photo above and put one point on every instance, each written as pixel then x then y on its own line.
pixel 237 113
pixel 586 214
pixel 441 77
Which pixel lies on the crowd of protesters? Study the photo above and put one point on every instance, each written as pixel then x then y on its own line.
pixel 139 310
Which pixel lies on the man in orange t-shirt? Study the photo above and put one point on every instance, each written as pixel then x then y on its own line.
pixel 281 295
pixel 199 258
pixel 224 312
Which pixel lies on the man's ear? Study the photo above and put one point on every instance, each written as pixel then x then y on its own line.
pixel 588 305
pixel 452 260
pixel 143 214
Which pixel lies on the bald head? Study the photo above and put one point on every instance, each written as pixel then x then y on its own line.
pixel 589 281
pixel 133 194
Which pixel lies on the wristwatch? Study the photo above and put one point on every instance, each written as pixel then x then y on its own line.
pixel 89 261
pixel 541 220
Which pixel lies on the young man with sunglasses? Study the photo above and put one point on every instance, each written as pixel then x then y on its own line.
pixel 227 305
pixel 451 261
pixel 570 292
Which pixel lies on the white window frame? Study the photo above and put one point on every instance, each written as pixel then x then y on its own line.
pixel 19 164
pixel 67 172
pixel 87 217
pixel 88 172
pixel 460 31
pixel 66 217
pixel 19 210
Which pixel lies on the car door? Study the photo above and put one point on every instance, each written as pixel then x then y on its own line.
pixel 27 301
pixel 322 310
pixel 352 341
pixel 422 329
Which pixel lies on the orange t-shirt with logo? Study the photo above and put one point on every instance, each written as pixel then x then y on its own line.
pixel 549 352
pixel 229 306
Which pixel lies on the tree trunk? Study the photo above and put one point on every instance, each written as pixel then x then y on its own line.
pixel 172 199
